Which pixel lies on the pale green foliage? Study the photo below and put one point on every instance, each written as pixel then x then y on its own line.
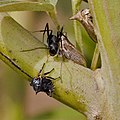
pixel 94 93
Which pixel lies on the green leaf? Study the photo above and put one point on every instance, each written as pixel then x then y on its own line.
pixel 14 39
pixel 107 18
pixel 107 24
pixel 53 2
pixel 78 36
pixel 22 40
pixel 25 6
pixel 49 7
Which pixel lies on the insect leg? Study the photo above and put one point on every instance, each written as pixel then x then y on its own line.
pixel 60 53
pixel 62 58
pixel 46 30
pixel 48 72
pixel 50 78
pixel 61 30
pixel 33 49
pixel 69 74
pixel 41 70
pixel 53 78
pixel 61 70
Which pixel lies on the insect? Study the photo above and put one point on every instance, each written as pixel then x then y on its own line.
pixel 86 19
pixel 68 50
pixel 60 45
pixel 52 40
pixel 43 83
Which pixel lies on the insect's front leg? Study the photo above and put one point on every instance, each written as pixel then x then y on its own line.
pixel 41 70
pixel 51 78
pixel 48 72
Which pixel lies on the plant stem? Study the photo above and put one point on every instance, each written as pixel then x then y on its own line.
pixel 95 58
pixel 76 24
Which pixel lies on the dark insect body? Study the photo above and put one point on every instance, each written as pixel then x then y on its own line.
pixel 43 83
pixel 52 41
pixel 60 45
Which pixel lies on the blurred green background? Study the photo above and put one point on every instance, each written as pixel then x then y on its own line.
pixel 17 99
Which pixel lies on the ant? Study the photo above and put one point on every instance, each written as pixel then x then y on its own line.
pixel 43 83
pixel 52 40
pixel 60 45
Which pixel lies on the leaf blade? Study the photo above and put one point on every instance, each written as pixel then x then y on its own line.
pixel 15 38
pixel 26 6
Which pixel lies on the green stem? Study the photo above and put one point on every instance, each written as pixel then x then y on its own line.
pixel 78 36
pixel 95 58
